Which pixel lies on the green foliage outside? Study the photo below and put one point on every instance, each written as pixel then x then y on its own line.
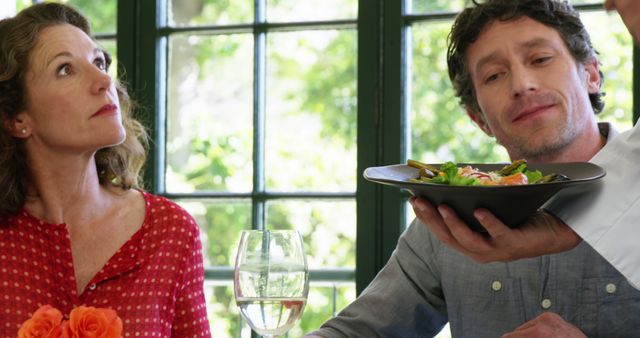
pixel 441 131
pixel 102 14
pixel 207 151
pixel 210 141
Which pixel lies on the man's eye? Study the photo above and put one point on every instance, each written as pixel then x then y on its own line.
pixel 542 60
pixel 491 78
pixel 64 69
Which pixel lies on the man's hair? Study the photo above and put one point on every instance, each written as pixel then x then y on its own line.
pixel 468 25
pixel 118 165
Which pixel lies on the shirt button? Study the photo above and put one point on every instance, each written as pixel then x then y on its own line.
pixel 496 285
pixel 611 288
pixel 92 286
pixel 546 303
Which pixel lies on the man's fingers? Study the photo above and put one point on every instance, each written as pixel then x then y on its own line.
pixel 524 333
pixel 432 219
pixel 428 214
pixel 609 5
pixel 491 223
pixel 473 241
pixel 548 324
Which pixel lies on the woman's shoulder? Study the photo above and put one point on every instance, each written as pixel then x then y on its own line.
pixel 167 215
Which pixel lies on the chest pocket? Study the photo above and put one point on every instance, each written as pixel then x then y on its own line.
pixel 610 307
pixel 484 305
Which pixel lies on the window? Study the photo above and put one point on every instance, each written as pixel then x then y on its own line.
pixel 103 19
pixel 436 118
pixel 255 120
pixel 264 114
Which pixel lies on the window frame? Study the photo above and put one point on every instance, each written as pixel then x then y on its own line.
pixel 383 135
pixel 142 52
pixel 382 103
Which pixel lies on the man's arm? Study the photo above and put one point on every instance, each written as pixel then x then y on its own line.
pixel 403 300
pixel 541 234
pixel 606 218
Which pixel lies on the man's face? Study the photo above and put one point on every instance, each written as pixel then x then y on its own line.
pixel 533 96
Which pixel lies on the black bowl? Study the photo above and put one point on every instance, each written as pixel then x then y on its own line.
pixel 512 204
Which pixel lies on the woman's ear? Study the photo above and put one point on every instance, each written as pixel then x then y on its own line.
pixel 478 118
pixel 17 127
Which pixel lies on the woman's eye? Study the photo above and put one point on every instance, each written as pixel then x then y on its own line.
pixel 101 64
pixel 64 69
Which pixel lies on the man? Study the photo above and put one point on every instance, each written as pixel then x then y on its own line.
pixel 606 218
pixel 526 74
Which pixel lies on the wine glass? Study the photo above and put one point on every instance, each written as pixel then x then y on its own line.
pixel 271 280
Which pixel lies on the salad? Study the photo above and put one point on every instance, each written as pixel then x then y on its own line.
pixel 449 173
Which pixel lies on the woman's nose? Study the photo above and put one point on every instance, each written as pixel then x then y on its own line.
pixel 100 80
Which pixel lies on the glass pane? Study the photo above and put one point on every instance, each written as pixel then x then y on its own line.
pixel 440 129
pixel 580 2
pixel 426 6
pixel 616 61
pixel 226 322
pixel 110 46
pixel 209 113
pixel 311 111
pixel 437 118
pixel 209 12
pixel 311 10
pixel 321 306
pixel 328 229
pixel 9 8
pixel 221 222
pixel 102 15
pixel 224 317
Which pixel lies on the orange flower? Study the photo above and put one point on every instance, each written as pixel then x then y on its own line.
pixel 45 323
pixel 91 322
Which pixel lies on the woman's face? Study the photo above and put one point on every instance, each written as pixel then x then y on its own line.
pixel 71 103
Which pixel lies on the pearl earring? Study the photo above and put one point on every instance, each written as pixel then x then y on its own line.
pixel 23 131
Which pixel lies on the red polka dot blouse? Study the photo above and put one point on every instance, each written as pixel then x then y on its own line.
pixel 154 281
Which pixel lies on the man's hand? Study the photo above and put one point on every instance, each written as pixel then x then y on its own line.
pixel 629 11
pixel 546 325
pixel 541 234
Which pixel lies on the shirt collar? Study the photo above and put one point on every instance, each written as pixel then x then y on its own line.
pixel 608 130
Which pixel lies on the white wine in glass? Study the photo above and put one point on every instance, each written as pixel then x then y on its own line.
pixel 271 280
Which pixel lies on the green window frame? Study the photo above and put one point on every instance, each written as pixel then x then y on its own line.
pixel 143 53
pixel 383 135
pixel 382 104
pixel 383 31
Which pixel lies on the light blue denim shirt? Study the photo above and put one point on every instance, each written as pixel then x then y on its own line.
pixel 425 284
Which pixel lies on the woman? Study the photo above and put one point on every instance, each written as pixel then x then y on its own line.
pixel 75 228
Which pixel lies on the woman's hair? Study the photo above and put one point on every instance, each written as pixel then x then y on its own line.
pixel 558 15
pixel 118 165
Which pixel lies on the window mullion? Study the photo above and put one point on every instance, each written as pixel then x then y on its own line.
pixel 380 215
pixel 259 84
pixel 143 55
pixel 636 83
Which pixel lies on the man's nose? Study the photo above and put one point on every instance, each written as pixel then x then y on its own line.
pixel 523 81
